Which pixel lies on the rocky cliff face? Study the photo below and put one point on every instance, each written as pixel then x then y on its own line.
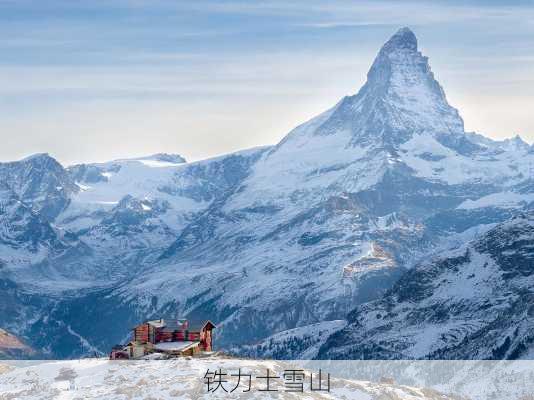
pixel 12 347
pixel 473 301
pixel 41 181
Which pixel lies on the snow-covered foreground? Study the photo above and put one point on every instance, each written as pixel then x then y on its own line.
pixel 185 378
pixel 179 379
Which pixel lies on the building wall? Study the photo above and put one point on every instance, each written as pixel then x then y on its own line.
pixel 207 340
pixel 145 333
pixel 141 333
pixel 138 351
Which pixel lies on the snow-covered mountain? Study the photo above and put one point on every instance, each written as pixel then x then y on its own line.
pixel 260 241
pixel 301 343
pixel 472 301
pixel 24 234
pixel 41 181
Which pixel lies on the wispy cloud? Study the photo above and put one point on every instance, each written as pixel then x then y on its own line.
pixel 184 72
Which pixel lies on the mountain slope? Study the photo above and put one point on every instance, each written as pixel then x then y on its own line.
pixel 125 214
pixel 475 301
pixel 25 236
pixel 13 347
pixel 302 343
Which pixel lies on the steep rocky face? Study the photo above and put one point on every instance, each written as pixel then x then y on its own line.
pixel 400 98
pixel 12 347
pixel 41 182
pixel 471 302
pixel 25 236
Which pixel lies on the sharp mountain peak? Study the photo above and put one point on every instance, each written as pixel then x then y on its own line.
pixel 404 38
pixel 401 98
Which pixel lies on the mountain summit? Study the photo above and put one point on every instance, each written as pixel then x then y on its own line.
pixel 400 105
pixel 403 39
pixel 400 98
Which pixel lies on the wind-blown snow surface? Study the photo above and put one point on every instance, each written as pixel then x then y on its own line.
pixel 259 241
pixel 184 379
pixel 180 379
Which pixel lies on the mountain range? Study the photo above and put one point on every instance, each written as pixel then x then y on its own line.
pixel 381 212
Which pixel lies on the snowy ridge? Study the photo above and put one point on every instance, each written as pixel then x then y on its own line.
pixel 470 302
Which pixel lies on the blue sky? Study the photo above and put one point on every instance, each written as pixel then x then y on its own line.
pixel 98 80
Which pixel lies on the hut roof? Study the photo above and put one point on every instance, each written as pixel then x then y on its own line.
pixel 157 323
pixel 198 326
pixel 175 346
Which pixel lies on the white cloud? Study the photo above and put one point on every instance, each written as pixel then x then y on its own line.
pixel 68 86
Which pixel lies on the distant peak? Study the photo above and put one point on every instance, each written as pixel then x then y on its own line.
pixel 41 159
pixel 404 38
pixel 400 98
pixel 399 56
pixel 515 139
pixel 516 142
pixel 37 156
